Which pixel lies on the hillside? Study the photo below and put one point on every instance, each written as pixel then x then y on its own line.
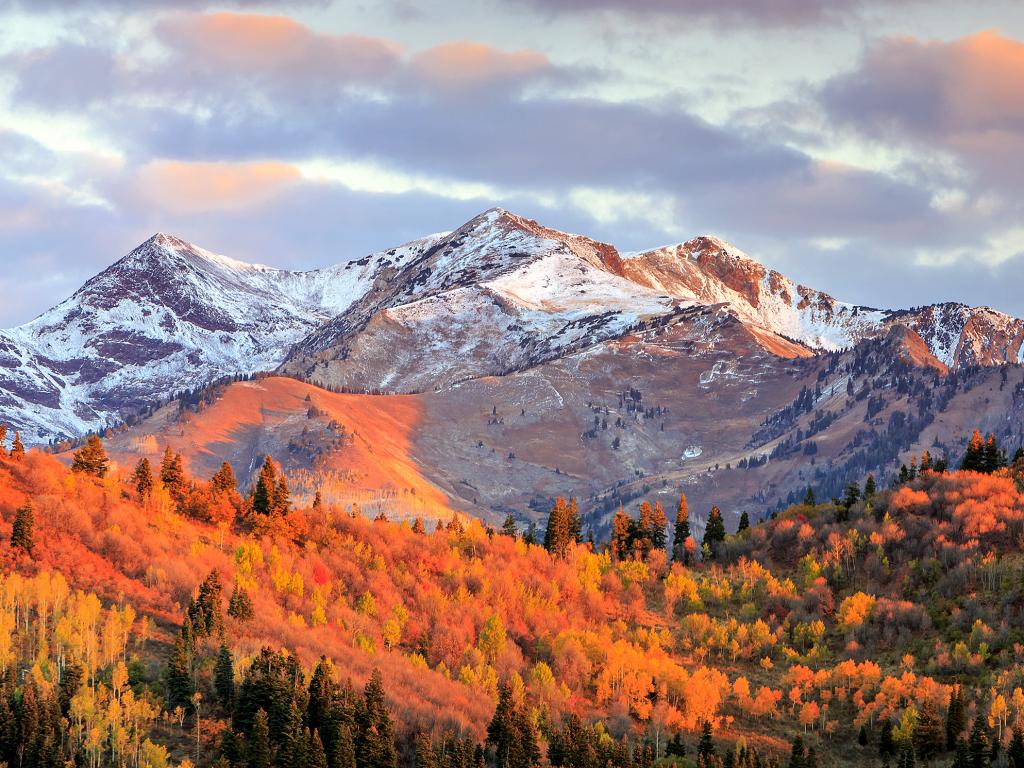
pixel 848 625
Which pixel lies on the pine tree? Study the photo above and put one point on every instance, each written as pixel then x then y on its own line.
pixel 178 674
pixel 797 754
pixel 659 524
pixel 343 748
pixel 869 487
pixel 978 746
pixel 17 447
pixel 142 478
pixel 172 475
pixel 1015 752
pixel 744 522
pixel 622 535
pixel 714 531
pixel 955 717
pixel 224 678
pixel 239 604
pixel 257 752
pixel 223 480
pixel 375 744
pixel 91 458
pixel 266 486
pixel 706 748
pixel 928 737
pixel 974 459
pixel 508 528
pixel 681 532
pixel 23 532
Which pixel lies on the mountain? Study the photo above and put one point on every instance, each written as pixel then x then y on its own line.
pixel 498 296
pixel 169 316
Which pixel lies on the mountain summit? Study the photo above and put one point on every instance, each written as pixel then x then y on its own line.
pixel 499 294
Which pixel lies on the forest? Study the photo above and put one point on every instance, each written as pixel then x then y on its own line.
pixel 149 618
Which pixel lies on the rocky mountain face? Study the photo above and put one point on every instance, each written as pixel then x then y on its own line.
pixel 500 296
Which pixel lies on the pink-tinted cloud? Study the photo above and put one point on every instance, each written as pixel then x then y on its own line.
pixel 276 47
pixel 178 187
pixel 965 97
pixel 468 64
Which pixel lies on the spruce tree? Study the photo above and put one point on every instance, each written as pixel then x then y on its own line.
pixel 257 751
pixel 239 604
pixel 315 755
pixel 23 532
pixel 178 674
pixel 681 533
pixel 224 678
pixel 797 754
pixel 974 459
pixel 955 716
pixel 266 485
pixel 886 743
pixel 508 528
pixel 343 748
pixel 622 535
pixel 282 504
pixel 375 744
pixel 978 746
pixel 706 748
pixel 659 524
pixel 928 737
pixel 172 475
pixel 91 458
pixel 318 502
pixel 142 478
pixel 809 498
pixel 744 522
pixel 17 447
pixel 3 439
pixel 559 530
pixel 714 531
pixel 418 527
pixel 869 486
pixel 1015 752
pixel 224 480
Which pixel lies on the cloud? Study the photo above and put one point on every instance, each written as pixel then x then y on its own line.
pixel 964 97
pixel 470 64
pixel 88 6
pixel 751 12
pixel 176 186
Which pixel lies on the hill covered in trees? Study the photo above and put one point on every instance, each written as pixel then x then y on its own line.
pixel 149 617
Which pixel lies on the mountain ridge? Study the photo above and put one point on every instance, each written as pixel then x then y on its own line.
pixel 499 293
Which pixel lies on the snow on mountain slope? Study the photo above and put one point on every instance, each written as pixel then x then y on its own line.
pixel 498 294
pixel 709 270
pixel 169 316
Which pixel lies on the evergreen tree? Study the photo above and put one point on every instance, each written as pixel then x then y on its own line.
pixel 323 698
pixel 812 758
pixel 318 502
pixel 928 737
pixel 178 674
pixel 974 459
pixel 978 747
pixel 224 678
pixel 418 527
pixel 17 447
pixel 257 752
pixel 223 480
pixel 560 527
pixel 809 499
pixel 797 755
pixel 239 604
pixel 955 717
pixel 315 755
pixel 886 744
pixel 263 494
pixel 862 736
pixel 204 612
pixel 91 458
pixel 659 523
pixel 993 458
pixel 172 475
pixel 375 743
pixel 1015 752
pixel 3 440
pixel 744 522
pixel 508 528
pixel 622 535
pixel 714 531
pixel 282 501
pixel 142 478
pixel 531 534
pixel 706 749
pixel 575 522
pixel 869 487
pixel 343 748
pixel 681 532
pixel 23 532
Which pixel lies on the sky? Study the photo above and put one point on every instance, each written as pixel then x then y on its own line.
pixel 870 148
